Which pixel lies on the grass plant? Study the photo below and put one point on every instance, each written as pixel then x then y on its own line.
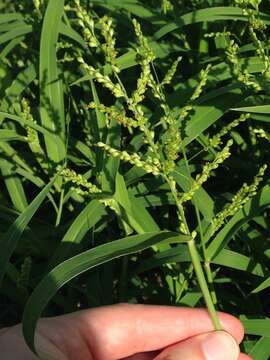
pixel 134 144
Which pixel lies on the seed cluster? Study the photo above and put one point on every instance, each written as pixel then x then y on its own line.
pixel 167 6
pixel 216 140
pixel 206 172
pixel 86 22
pixel 23 278
pixel 238 201
pixel 256 28
pixel 133 159
pixel 242 76
pixel 108 47
pixel 32 135
pixel 102 79
pixel 78 180
pixel 261 133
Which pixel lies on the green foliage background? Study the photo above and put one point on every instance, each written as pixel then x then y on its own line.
pixel 49 217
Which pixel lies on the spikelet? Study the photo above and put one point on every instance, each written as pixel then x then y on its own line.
pixel 215 141
pixel 107 31
pixel 242 76
pixel 248 3
pixel 203 80
pixel 113 113
pixel 217 34
pixel 171 72
pixel 166 6
pixel 23 278
pixel 261 133
pixel 238 201
pixel 146 56
pixel 144 49
pixel 150 166
pixel 171 147
pixel 78 180
pixel 87 24
pixel 102 79
pixel 256 25
pixel 142 83
pixel 32 135
pixel 38 4
pixel 206 172
pixel 197 92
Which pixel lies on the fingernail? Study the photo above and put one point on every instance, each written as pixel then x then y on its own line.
pixel 220 345
pixel 46 350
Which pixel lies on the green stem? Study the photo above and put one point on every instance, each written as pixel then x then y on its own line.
pixel 203 284
pixel 210 281
pixel 206 264
pixel 196 262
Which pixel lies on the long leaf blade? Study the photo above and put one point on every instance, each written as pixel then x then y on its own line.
pixel 12 236
pixel 51 87
pixel 71 268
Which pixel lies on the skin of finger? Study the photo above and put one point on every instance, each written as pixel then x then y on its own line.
pixel 12 345
pixel 194 347
pixel 151 356
pixel 119 331
pixel 147 328
pixel 244 357
pixel 3 330
pixel 191 349
pixel 142 356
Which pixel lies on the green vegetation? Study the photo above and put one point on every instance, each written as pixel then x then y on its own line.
pixel 134 144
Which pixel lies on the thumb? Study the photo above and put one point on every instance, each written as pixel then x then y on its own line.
pixel 216 345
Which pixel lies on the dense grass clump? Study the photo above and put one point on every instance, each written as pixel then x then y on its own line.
pixel 134 144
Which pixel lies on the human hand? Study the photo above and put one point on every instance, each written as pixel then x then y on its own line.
pixel 130 332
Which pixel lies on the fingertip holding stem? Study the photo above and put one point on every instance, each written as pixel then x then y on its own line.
pixel 219 345
pixel 216 345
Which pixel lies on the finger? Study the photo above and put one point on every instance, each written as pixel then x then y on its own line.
pixel 216 345
pixel 12 345
pixel 143 356
pixel 122 330
pixel 244 357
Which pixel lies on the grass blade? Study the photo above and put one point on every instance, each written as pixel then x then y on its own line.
pixel 259 327
pixel 261 109
pixel 208 14
pixel 51 87
pixel 71 268
pixel 14 186
pixel 12 236
pixel 261 350
pixel 17 32
pixel 264 285
pixel 10 135
pixel 86 220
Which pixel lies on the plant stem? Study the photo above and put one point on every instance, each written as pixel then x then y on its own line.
pixel 196 262
pixel 203 284
pixel 206 263
pixel 210 280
